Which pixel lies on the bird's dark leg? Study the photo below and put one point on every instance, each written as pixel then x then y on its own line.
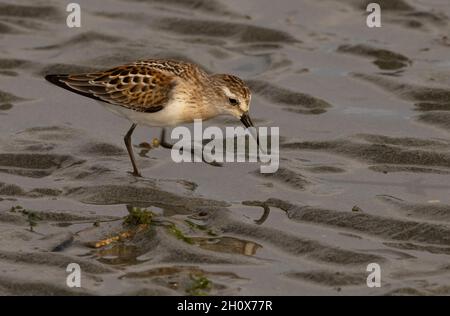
pixel 163 142
pixel 127 140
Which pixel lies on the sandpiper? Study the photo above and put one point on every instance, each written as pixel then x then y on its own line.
pixel 161 92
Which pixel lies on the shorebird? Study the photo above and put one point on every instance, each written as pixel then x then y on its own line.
pixel 161 92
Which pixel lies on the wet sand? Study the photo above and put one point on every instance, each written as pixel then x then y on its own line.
pixel 364 156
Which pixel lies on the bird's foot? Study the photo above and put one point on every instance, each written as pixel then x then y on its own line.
pixel 213 163
pixel 136 174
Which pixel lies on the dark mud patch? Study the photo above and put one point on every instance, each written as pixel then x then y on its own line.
pixel 29 11
pixel 420 19
pixel 429 211
pixel 91 172
pixel 429 291
pixel 293 101
pixel 102 149
pixel 325 169
pixel 13 286
pixel 435 17
pixel 6 106
pixel 35 165
pixel 384 59
pixel 39 147
pixel 437 118
pixel 11 218
pixel 6 63
pixel 34 161
pixel 243 32
pixel 263 47
pixel 182 279
pixel 329 278
pixel 6 29
pixel 59 216
pixel 86 38
pixel 39 129
pixel 287 177
pixel 403 141
pixel 209 6
pixel 398 5
pixel 8 73
pixel 15 190
pixel 432 100
pixel 376 153
pixel 422 248
pixel 26 25
pixel 381 227
pixel 287 242
pixel 64 69
pixel 6 97
pixel 196 255
pixel 430 106
pixel 406 291
pixel 52 259
pixel 11 190
pixel 139 196
pixel 42 136
pixel 161 271
pixel 403 13
pixel 410 169
pixel 409 91
pixel 46 191
pixel 310 249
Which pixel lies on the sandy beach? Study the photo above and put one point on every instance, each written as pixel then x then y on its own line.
pixel 364 172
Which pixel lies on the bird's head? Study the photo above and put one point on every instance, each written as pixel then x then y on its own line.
pixel 234 97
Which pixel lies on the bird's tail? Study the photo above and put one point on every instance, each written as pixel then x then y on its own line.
pixel 57 79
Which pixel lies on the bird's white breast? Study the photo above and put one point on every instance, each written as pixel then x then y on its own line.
pixel 171 114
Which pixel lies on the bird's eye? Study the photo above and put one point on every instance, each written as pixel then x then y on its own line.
pixel 233 101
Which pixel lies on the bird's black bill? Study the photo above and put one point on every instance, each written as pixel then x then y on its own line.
pixel 245 119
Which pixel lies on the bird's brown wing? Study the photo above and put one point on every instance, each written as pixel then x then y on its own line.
pixel 138 86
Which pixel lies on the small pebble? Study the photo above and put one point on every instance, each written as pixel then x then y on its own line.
pixel 5 106
pixel 155 142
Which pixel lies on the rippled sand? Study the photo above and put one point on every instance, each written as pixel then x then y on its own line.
pixel 365 152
